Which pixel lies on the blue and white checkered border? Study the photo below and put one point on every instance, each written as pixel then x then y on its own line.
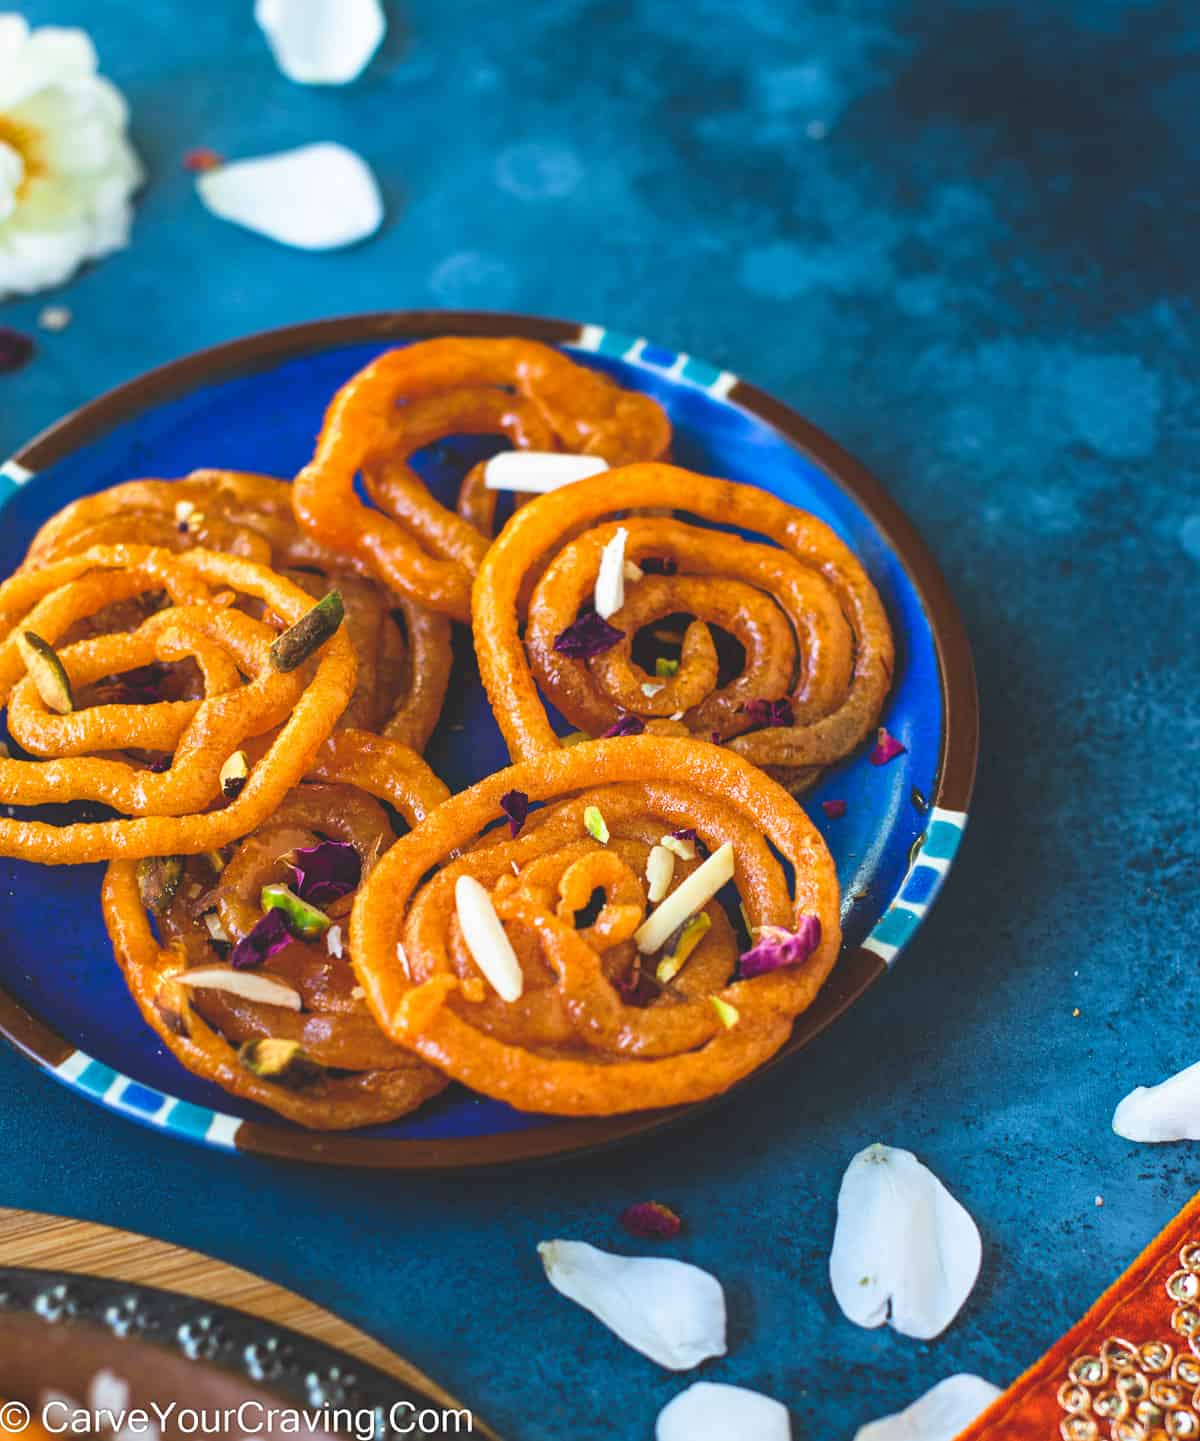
pixel 896 927
pixel 93 1078
pixel 674 364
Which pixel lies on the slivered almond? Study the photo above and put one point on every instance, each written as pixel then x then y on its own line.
pixel 538 471
pixel 683 902
pixel 660 871
pixel 610 578
pixel 250 985
pixel 490 947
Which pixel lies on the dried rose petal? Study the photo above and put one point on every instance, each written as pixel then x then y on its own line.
pixel 776 947
pixel 637 988
pixel 835 810
pixel 628 725
pixel 143 685
pixel 762 713
pixel 201 159
pixel 659 565
pixel 269 934
pixel 590 635
pixel 515 805
pixel 16 349
pixel 887 748
pixel 651 1221
pixel 163 763
pixel 326 872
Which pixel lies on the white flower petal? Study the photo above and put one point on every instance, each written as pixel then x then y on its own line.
pixel 1169 1111
pixel 939 1415
pixel 670 1311
pixel 707 1411
pixel 904 1251
pixel 318 197
pixel 322 42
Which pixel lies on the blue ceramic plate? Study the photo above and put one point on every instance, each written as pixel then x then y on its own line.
pixel 256 405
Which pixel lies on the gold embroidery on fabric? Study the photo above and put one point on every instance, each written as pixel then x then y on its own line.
pixel 1151 1392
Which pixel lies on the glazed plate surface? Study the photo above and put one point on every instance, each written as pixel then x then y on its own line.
pixel 256 404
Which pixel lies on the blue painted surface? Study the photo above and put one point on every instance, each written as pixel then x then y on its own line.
pixel 961 238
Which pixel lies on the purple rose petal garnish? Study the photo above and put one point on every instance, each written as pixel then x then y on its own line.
pixel 659 565
pixel 628 725
pixel 776 947
pixel 762 713
pixel 268 935
pixel 326 872
pixel 651 1221
pixel 637 988
pixel 16 349
pixel 163 763
pixel 144 685
pixel 887 748
pixel 835 810
pixel 515 805
pixel 590 635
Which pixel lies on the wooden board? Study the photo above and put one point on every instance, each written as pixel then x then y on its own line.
pixel 55 1243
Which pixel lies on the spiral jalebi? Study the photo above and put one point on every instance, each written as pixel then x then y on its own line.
pixel 812 636
pixel 409 398
pixel 570 1044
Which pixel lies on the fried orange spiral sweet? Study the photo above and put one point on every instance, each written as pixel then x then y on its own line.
pixel 811 627
pixel 569 1044
pixel 352 1075
pixel 403 649
pixel 408 398
pixel 86 752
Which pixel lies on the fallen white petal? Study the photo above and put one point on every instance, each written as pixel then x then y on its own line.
pixel 1169 1111
pixel 490 948
pixel 683 902
pixel 322 42
pixel 538 471
pixel 708 1411
pixel 670 1311
pixel 904 1251
pixel 252 985
pixel 939 1415
pixel 610 578
pixel 318 197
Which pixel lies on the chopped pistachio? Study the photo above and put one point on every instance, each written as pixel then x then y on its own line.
pixel 663 665
pixel 305 921
pixel 727 1014
pixel 158 879
pixel 691 933
pixel 285 1062
pixel 46 671
pixel 309 634
pixel 594 824
pixel 234 774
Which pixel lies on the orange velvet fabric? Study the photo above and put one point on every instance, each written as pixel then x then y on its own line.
pixel 1130 1369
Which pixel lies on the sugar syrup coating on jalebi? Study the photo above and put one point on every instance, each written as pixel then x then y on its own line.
pixel 409 398
pixel 809 623
pixel 403 649
pixel 91 754
pixel 570 1045
pixel 343 1072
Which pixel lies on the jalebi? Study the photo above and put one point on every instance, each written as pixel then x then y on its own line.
pixel 330 1066
pixel 570 892
pixel 409 398
pixel 804 683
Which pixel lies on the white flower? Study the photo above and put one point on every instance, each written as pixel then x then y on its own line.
pixel 670 1311
pixel 322 42
pixel 67 169
pixel 1169 1111
pixel 710 1411
pixel 317 197
pixel 939 1415
pixel 904 1251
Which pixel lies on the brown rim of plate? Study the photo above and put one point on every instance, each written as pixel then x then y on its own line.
pixel 855 971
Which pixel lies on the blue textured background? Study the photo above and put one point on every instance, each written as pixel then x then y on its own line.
pixel 961 238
